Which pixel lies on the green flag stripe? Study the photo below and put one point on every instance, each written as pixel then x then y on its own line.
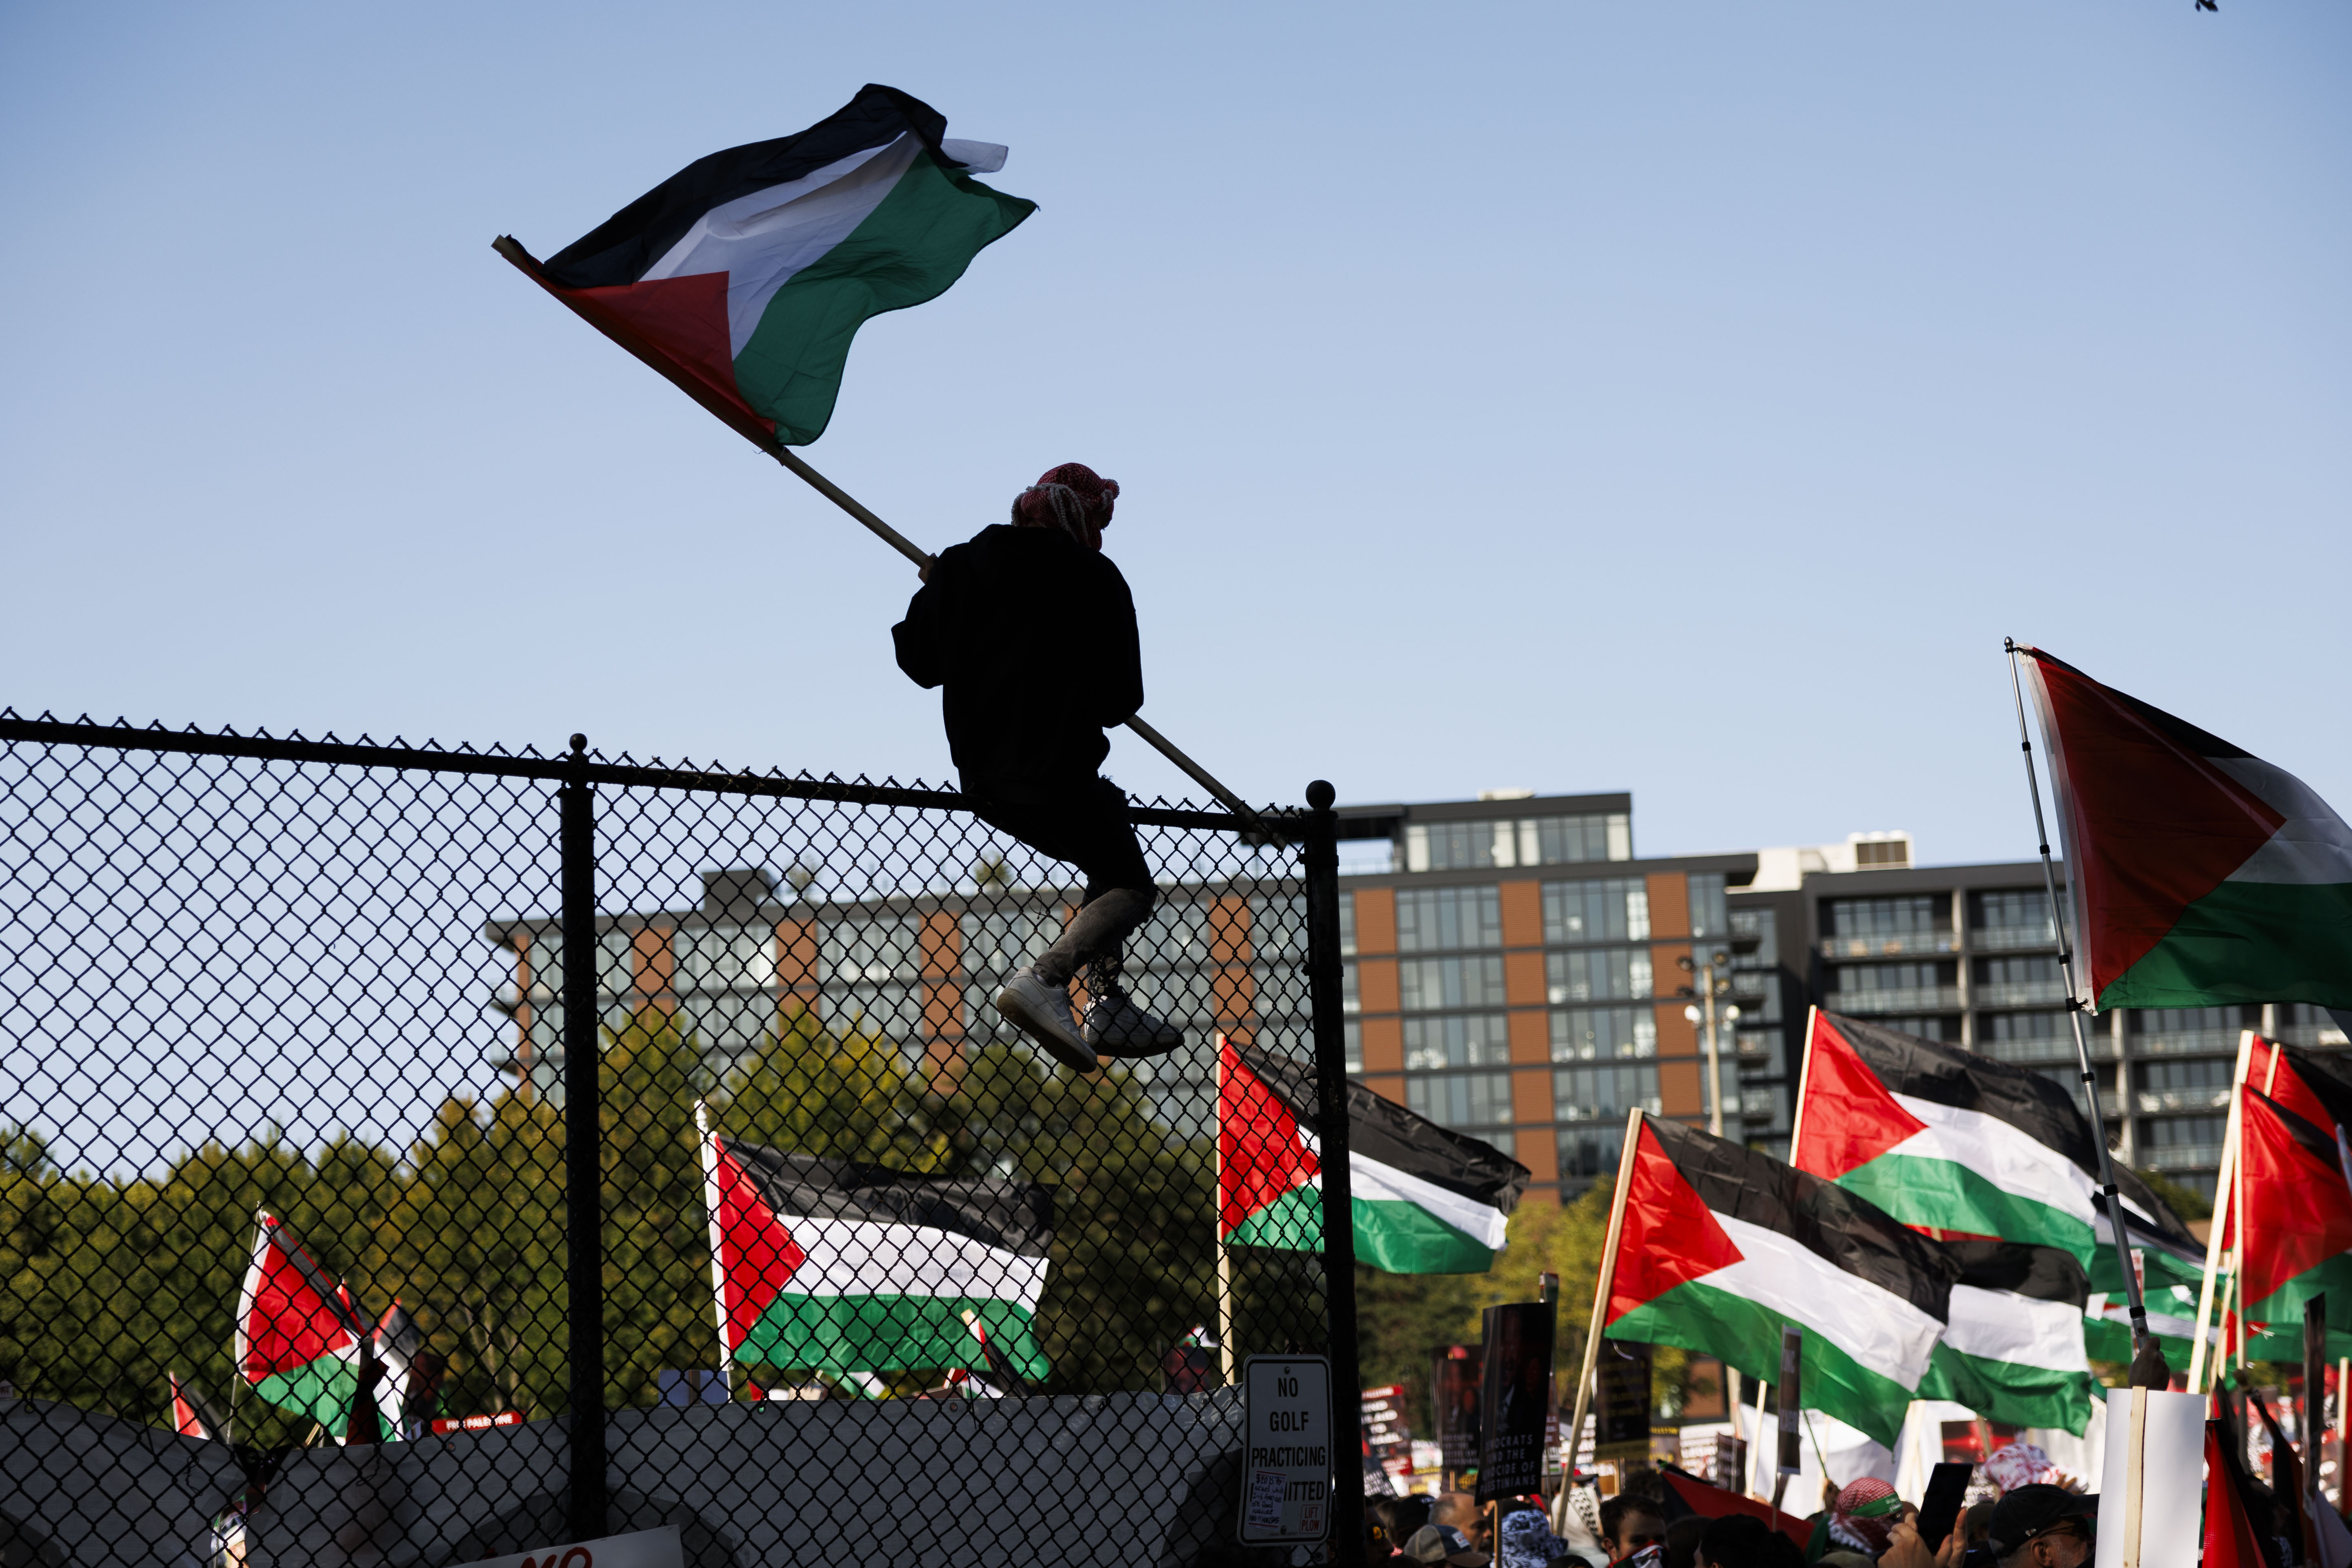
pixel 1747 1334
pixel 1948 1195
pixel 2283 1306
pixel 841 1334
pixel 911 248
pixel 2006 1391
pixel 1400 1238
pixel 2248 941
pixel 319 1389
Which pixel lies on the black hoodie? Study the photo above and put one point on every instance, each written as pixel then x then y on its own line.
pixel 1033 637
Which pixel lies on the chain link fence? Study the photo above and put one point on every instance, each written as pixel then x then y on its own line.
pixel 418 1157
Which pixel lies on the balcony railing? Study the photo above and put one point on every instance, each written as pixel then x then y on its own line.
pixel 2151 1101
pixel 2018 992
pixel 2183 1157
pixel 1896 999
pixel 2009 939
pixel 1892 945
pixel 2048 1049
pixel 2186 1043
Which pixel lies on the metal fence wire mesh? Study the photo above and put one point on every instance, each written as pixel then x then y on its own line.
pixel 292 1137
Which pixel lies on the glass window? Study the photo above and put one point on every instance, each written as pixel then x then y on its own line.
pixel 2010 909
pixel 869 949
pixel 1350 998
pixel 1572 840
pixel 1355 1036
pixel 1431 920
pixel 1460 845
pixel 1604 1034
pixel 727 958
pixel 1614 908
pixel 2189 1132
pixel 1602 1094
pixel 1429 984
pixel 1869 978
pixel 2027 1027
pixel 1708 915
pixel 2208 1074
pixel 1597 974
pixel 1587 1153
pixel 1472 1040
pixel 1759 926
pixel 2034 969
pixel 1348 925
pixel 1462 1100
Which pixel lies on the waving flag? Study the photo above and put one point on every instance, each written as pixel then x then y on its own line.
pixel 1722 1247
pixel 298 1335
pixel 192 1417
pixel 848 1268
pixel 744 276
pixel 2199 874
pixel 2012 1349
pixel 2296 1229
pixel 1424 1199
pixel 1946 1140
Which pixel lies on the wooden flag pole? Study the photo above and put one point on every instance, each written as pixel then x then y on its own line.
pixel 1574 1436
pixel 1227 1359
pixel 718 1232
pixel 2224 1189
pixel 736 417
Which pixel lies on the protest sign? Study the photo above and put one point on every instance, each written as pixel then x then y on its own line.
pixel 1285 1448
pixel 1515 1399
pixel 642 1549
pixel 1453 1393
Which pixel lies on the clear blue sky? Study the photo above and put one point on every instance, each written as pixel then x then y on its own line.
pixel 1678 398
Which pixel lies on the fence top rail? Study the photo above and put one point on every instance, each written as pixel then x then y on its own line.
pixel 561 768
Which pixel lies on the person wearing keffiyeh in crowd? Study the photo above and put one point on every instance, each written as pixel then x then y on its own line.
pixel 1861 1517
pixel 1031 630
pixel 1528 1541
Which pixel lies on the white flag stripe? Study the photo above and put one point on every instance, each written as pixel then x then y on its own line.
pixel 761 240
pixel 2312 845
pixel 2012 1160
pixel 1370 1179
pixel 2000 1325
pixel 1877 1328
pixel 864 1257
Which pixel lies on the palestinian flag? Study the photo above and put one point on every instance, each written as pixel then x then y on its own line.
pixel 1949 1140
pixel 743 276
pixel 192 1417
pixel 1722 1247
pixel 2013 1345
pixel 2199 874
pixel 1424 1199
pixel 2296 1228
pixel 2171 1317
pixel 845 1269
pixel 298 1333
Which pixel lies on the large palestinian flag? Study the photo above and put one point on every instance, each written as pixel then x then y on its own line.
pixel 2296 1230
pixel 2013 1347
pixel 843 1268
pixel 1424 1199
pixel 1952 1142
pixel 298 1333
pixel 1722 1247
pixel 2199 874
pixel 743 276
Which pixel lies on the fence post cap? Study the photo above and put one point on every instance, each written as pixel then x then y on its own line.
pixel 1320 794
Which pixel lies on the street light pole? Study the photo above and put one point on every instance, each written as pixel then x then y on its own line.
pixel 1710 986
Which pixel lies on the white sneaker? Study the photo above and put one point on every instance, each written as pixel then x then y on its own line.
pixel 1115 1026
pixel 1043 1013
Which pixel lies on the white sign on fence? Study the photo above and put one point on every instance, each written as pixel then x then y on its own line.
pixel 642 1549
pixel 1286 1455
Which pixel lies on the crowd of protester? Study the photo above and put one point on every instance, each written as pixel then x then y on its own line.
pixel 2028 1514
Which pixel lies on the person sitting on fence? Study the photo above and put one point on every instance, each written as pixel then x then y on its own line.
pixel 1031 629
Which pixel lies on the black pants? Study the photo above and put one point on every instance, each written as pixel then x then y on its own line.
pixel 1084 823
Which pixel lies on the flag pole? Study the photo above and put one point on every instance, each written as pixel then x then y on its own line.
pixel 738 418
pixel 1600 1287
pixel 2141 1340
pixel 718 1264
pixel 1225 1356
pixel 2224 1190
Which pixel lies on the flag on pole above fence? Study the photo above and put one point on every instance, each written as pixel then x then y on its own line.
pixel 843 1268
pixel 744 276
pixel 1424 1198
pixel 1721 1247
pixel 2199 874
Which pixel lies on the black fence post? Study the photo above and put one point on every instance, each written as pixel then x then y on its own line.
pixel 583 1209
pixel 1321 855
